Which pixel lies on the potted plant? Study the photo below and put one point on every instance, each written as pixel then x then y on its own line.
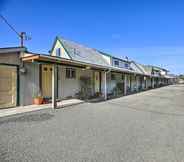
pixel 37 99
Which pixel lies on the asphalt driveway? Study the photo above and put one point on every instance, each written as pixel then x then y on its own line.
pixel 148 127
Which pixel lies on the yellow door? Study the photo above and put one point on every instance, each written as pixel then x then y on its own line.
pixel 97 82
pixel 47 80
pixel 8 86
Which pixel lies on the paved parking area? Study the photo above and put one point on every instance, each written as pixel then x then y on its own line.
pixel 148 126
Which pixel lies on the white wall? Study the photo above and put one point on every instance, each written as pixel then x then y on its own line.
pixel 69 87
pixel 63 52
pixel 29 83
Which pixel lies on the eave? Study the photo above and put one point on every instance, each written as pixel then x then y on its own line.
pixel 38 58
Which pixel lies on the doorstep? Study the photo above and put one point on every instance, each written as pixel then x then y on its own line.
pixel 29 108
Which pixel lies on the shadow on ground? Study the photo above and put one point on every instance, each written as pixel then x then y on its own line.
pixel 28 118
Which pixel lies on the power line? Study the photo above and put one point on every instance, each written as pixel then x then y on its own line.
pixel 5 20
pixel 21 35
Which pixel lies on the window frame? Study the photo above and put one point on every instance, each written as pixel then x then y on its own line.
pixel 58 52
pixel 116 62
pixel 113 76
pixel 123 77
pixel 126 65
pixel 70 73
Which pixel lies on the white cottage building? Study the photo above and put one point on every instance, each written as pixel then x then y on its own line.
pixel 71 70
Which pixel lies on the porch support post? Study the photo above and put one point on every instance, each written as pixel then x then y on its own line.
pixel 105 85
pixel 125 85
pixel 153 82
pixel 146 83
pixel 54 86
pixel 130 83
pixel 137 83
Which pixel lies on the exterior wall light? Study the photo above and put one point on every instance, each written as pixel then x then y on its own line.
pixel 88 67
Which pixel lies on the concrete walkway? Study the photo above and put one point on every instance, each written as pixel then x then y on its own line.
pixel 23 109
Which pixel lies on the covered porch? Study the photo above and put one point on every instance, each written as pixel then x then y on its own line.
pixel 72 82
pixel 60 79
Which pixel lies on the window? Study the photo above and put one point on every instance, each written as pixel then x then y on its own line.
pixel 122 76
pixel 67 73
pixel 113 77
pixel 70 73
pixel 116 63
pixel 126 65
pixel 58 52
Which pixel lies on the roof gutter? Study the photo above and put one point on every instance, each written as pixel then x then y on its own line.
pixel 57 60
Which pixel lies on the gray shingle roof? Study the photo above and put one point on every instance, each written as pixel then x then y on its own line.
pixel 148 69
pixel 82 53
pixel 138 67
pixel 12 49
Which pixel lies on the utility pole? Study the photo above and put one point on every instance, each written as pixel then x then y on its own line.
pixel 22 35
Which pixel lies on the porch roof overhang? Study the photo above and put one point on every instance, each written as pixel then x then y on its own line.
pixel 41 58
pixel 161 76
pixel 170 77
pixel 57 60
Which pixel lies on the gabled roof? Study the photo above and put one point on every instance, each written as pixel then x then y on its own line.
pixel 104 53
pixel 138 67
pixel 148 69
pixel 12 49
pixel 82 53
pixel 159 68
pixel 142 67
pixel 114 57
pixel 156 68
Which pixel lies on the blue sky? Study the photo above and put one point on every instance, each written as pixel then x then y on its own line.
pixel 149 31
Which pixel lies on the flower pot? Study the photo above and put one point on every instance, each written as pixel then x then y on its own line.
pixel 38 101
